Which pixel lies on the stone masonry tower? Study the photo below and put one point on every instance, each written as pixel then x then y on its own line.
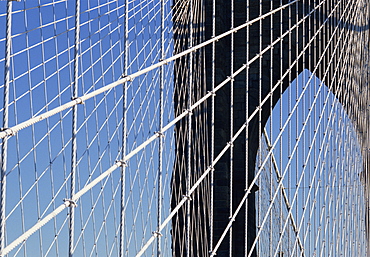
pixel 294 37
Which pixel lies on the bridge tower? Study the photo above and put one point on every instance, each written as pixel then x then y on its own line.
pixel 300 35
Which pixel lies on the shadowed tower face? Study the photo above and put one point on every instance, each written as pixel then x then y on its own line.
pixel 249 71
pixel 184 128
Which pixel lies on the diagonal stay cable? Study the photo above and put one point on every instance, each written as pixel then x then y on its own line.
pixel 252 183
pixel 67 203
pixel 13 130
pixel 285 196
pixel 79 100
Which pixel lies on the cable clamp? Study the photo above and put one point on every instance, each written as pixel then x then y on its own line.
pixel 8 131
pixel 159 133
pixel 163 60
pixel 69 202
pixel 128 77
pixel 78 100
pixel 230 144
pixel 211 168
pixel 231 78
pixel 212 93
pixel 188 197
pixel 121 163
pixel 156 234
pixel 188 111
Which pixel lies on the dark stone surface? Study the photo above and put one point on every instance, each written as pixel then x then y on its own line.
pixel 251 87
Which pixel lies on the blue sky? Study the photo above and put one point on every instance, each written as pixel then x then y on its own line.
pixel 39 156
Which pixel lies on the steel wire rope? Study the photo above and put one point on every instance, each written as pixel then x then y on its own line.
pixel 310 189
pixel 295 194
pixel 231 127
pixel 284 194
pixel 35 7
pixel 74 128
pixel 5 124
pixel 153 136
pixel 245 197
pixel 278 136
pixel 235 75
pixel 271 124
pixel 81 99
pixel 205 174
pixel 324 75
pixel 247 47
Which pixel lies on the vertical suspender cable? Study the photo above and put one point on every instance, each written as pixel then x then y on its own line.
pixel 160 138
pixel 246 130
pixel 312 54
pixel 365 168
pixel 305 23
pixel 259 118
pixel 189 128
pixel 74 128
pixel 212 126
pixel 289 109
pixel 296 233
pixel 124 137
pixel 271 124
pixel 231 125
pixel 280 127
pixel 5 123
pixel 326 170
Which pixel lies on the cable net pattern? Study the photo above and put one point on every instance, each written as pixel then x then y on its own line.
pixel 184 128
